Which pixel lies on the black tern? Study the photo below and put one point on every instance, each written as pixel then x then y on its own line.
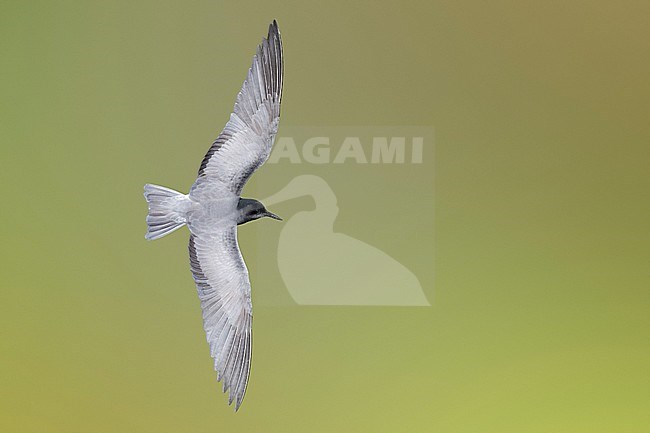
pixel 213 209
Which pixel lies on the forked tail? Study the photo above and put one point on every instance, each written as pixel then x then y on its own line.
pixel 167 210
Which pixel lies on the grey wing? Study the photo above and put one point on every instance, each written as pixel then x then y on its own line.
pixel 224 290
pixel 246 141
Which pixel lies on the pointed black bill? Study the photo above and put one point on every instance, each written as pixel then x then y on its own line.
pixel 272 215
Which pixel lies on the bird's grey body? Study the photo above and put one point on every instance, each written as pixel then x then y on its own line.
pixel 213 209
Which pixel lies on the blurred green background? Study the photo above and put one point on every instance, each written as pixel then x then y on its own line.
pixel 539 321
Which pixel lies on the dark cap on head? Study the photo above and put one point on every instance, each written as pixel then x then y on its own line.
pixel 251 209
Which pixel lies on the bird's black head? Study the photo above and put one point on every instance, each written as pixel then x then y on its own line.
pixel 250 210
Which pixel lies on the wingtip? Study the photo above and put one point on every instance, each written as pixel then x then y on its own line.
pixel 237 399
pixel 232 395
pixel 273 29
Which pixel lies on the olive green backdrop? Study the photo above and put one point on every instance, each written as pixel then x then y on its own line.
pixel 539 316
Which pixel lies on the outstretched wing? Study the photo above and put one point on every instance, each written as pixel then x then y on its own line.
pixel 224 290
pixel 246 141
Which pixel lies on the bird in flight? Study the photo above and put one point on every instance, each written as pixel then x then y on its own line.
pixel 214 208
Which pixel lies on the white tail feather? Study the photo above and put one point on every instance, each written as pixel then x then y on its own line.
pixel 167 210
